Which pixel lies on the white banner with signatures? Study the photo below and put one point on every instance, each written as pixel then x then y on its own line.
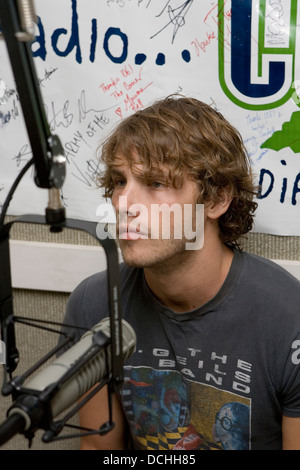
pixel 97 62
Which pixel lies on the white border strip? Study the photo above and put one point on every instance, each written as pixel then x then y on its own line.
pixel 61 267
pixel 53 266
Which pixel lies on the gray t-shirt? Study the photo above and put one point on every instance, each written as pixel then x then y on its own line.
pixel 218 377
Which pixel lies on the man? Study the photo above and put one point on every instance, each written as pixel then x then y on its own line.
pixel 216 361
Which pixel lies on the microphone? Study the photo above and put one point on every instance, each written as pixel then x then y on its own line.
pixel 31 409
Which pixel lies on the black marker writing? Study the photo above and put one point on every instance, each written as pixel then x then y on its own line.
pixel 176 16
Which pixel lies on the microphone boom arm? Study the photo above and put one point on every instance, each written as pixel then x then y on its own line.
pixel 17 19
pixel 16 26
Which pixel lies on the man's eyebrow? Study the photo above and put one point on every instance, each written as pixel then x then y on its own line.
pixel 144 175
pixel 115 172
pixel 157 174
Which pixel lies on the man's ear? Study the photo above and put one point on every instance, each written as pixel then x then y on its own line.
pixel 214 210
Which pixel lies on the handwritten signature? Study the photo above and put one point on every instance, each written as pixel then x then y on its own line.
pixel 61 117
pixel 128 87
pixel 47 75
pixel 202 45
pixel 176 17
pixel 73 146
pixel 214 13
pixel 90 174
pixel 23 155
pixel 65 115
pixel 6 93
pixel 6 117
pixel 83 109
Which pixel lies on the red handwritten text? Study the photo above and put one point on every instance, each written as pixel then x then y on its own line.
pixel 126 88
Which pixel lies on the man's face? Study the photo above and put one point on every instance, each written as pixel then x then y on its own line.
pixel 152 218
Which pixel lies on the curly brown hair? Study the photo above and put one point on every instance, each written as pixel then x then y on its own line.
pixel 186 135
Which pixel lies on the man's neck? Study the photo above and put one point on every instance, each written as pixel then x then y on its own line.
pixel 194 281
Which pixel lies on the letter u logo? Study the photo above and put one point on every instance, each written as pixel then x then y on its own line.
pixel 256 61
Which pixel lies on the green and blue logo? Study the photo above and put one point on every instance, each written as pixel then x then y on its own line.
pixel 257 69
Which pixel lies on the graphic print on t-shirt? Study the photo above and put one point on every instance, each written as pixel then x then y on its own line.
pixel 167 412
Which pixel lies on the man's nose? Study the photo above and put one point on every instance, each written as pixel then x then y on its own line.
pixel 130 197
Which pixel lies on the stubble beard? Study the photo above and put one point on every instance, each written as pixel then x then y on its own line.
pixel 159 256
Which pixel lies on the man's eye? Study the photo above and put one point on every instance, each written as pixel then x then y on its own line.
pixel 157 184
pixel 119 182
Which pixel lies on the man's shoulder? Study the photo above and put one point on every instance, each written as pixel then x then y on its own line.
pixel 270 276
pixel 89 301
pixel 267 266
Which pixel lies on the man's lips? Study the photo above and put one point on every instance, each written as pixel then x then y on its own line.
pixel 125 233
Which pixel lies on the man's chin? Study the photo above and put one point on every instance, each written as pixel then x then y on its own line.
pixel 131 253
pixel 153 254
pixel 133 262
pixel 135 258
